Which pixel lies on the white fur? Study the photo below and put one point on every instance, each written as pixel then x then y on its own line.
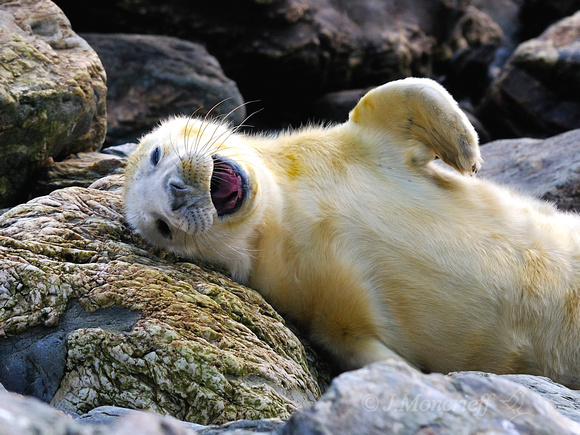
pixel 379 253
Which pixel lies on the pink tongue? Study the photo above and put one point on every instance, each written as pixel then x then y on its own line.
pixel 229 186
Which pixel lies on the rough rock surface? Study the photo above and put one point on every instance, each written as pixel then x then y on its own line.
pixel 29 416
pixel 153 77
pixel 80 296
pixel 548 169
pixel 537 93
pixel 566 401
pixel 80 169
pixel 52 93
pixel 392 397
pixel 385 397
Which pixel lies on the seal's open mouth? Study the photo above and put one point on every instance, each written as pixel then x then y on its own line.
pixel 228 186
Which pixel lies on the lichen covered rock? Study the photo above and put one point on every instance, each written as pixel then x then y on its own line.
pixel 202 348
pixel 52 92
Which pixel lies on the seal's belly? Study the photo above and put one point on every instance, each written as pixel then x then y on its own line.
pixel 355 264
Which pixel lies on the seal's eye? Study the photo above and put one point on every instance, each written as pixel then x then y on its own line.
pixel 155 156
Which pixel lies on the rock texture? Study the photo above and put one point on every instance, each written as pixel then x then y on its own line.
pixel 83 302
pixel 29 416
pixel 153 77
pixel 548 169
pixel 537 93
pixel 383 398
pixel 566 401
pixel 52 93
pixel 80 169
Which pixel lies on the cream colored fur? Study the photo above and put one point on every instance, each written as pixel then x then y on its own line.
pixel 356 234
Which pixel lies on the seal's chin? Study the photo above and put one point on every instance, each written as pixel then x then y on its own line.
pixel 228 186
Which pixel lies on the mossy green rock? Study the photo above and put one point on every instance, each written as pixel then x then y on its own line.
pixel 203 349
pixel 52 93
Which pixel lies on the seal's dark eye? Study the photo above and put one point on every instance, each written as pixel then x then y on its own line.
pixel 155 156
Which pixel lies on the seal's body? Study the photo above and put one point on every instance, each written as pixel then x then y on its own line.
pixel 355 233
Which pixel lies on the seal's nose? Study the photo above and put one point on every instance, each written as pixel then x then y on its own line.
pixel 177 187
pixel 179 192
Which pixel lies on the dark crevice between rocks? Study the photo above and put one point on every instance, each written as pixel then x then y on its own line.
pixel 33 363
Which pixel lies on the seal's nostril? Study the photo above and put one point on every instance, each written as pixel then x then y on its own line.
pixel 176 183
pixel 163 229
pixel 176 186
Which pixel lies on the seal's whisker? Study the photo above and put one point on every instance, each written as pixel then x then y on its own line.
pixel 207 237
pixel 202 238
pixel 205 123
pixel 243 123
pixel 211 142
pixel 194 240
pixel 229 130
pixel 196 142
pixel 245 158
pixel 236 129
pixel 208 118
pixel 187 136
pixel 239 106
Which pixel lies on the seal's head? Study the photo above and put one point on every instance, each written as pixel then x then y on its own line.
pixel 191 189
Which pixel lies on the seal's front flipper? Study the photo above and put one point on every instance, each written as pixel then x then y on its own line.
pixel 420 114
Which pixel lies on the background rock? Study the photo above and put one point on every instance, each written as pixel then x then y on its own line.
pixel 154 77
pixel 52 93
pixel 137 330
pixel 537 94
pixel 547 169
pixel 287 53
pixel 537 15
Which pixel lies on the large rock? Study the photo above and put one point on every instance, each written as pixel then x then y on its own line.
pixel 467 50
pixel 547 169
pixel 153 77
pixel 566 401
pixel 52 93
pixel 538 92
pixel 506 13
pixel 81 169
pixel 286 53
pixel 29 416
pixel 392 397
pixel 89 316
pixel 384 397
